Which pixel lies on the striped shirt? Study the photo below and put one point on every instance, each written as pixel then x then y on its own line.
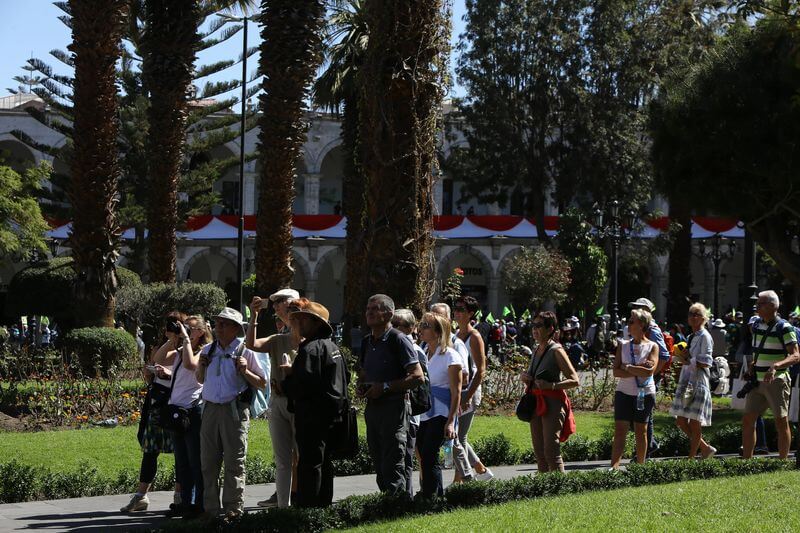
pixel 775 346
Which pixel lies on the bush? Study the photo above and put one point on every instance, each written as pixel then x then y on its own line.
pixel 359 465
pixel 496 450
pixel 148 304
pixel 359 510
pixel 100 349
pixel 45 289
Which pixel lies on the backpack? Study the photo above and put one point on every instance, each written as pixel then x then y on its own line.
pixel 497 333
pixel 670 342
pixel 599 341
pixel 420 395
pixel 714 376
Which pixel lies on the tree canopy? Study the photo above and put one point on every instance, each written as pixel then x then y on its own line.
pixel 730 127
pixel 22 226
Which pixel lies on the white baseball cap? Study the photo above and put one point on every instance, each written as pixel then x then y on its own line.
pixel 291 294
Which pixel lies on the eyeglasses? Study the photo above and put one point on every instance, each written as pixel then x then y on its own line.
pixel 538 324
pixel 424 325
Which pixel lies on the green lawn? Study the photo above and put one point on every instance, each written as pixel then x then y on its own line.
pixel 756 503
pixel 114 449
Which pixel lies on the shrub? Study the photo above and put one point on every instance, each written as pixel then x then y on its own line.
pixel 46 289
pixel 578 448
pixel 148 304
pixel 100 349
pixel 496 450
pixel 360 464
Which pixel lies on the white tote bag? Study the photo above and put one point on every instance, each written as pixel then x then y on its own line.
pixel 738 383
pixel 794 403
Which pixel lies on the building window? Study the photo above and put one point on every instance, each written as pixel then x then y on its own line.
pixel 230 197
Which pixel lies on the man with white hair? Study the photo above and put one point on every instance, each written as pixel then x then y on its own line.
pixel 774 351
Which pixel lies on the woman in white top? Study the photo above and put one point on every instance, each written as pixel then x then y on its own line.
pixel 692 403
pixel 178 362
pixel 439 423
pixel 634 365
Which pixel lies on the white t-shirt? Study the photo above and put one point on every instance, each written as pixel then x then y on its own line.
pixel 629 386
pixel 700 349
pixel 438 367
pixel 187 390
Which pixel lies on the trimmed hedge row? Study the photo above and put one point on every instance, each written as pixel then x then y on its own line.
pixel 359 510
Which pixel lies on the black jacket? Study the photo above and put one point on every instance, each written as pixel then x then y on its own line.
pixel 318 384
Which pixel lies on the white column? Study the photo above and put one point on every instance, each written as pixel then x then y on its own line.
pixel 311 186
pixel 438 189
pixel 250 199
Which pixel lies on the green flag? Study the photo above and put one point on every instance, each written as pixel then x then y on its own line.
pixel 599 311
pixel 247 312
pixel 796 310
pixel 478 315
pixel 526 315
pixel 490 318
pixel 506 311
pixel 513 311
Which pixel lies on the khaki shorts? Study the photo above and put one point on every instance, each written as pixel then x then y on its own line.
pixel 774 396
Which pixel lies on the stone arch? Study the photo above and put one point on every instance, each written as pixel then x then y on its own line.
pixel 205 253
pixel 213 265
pixel 17 155
pixel 331 177
pixel 477 276
pixel 329 280
pixel 315 164
pixel 302 274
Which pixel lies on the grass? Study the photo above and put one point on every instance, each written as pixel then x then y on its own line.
pixel 706 505
pixel 114 449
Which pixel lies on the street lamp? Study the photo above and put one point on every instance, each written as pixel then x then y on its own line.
pixel 612 225
pixel 716 249
pixel 240 232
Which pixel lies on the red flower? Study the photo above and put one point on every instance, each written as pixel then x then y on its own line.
pixel 459 271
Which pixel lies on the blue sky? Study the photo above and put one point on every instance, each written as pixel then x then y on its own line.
pixel 30 28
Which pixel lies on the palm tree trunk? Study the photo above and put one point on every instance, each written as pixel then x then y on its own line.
pixel 401 82
pixel 168 48
pixel 353 203
pixel 290 55
pixel 97 27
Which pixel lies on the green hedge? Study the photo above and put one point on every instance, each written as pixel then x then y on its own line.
pixel 46 289
pixel 100 349
pixel 359 510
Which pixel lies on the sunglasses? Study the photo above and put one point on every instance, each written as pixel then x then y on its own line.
pixel 424 325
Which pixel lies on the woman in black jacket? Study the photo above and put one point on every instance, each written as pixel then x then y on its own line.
pixel 317 383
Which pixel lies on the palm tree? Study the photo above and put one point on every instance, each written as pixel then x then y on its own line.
pixel 290 55
pixel 97 27
pixel 337 90
pixel 402 82
pixel 169 44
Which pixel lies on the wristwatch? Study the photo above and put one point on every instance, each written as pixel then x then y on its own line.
pixel 385 387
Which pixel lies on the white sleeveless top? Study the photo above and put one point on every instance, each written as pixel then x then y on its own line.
pixel 630 386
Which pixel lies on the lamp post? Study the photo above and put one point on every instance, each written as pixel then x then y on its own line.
pixel 243 124
pixel 717 248
pixel 612 225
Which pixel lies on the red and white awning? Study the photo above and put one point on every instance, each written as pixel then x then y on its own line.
pixel 224 227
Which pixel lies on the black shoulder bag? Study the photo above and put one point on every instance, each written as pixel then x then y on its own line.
pixel 527 404
pixel 173 417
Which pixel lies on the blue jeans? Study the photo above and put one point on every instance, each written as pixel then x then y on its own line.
pixel 430 437
pixel 187 460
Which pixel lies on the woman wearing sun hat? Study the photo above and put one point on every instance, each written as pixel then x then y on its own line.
pixel 317 383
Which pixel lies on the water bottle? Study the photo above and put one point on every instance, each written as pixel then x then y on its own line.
pixel 448 453
pixel 640 400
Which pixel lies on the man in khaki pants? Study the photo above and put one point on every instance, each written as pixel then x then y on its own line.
pixel 226 369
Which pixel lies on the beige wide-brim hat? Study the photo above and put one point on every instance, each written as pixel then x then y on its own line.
pixel 231 314
pixel 318 312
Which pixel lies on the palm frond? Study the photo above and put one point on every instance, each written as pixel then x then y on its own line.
pixel 226 34
pixel 213 68
pixel 212 89
pixel 64 57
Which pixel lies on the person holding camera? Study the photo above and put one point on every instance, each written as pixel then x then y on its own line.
pixel 153 439
pixel 774 351
pixel 227 370
pixel 177 361
pixel 635 363
pixel 281 347
pixel 692 402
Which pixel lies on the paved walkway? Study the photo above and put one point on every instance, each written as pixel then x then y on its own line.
pixel 101 513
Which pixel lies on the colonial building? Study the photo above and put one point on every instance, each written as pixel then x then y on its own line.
pixel 482 243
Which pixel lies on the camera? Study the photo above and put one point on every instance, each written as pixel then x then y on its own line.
pixel 746 388
pixel 172 326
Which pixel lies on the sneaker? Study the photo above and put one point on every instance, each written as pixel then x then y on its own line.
pixel 272 501
pixel 137 503
pixel 487 475
pixel 709 453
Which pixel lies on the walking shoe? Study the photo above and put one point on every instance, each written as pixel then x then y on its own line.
pixel 487 475
pixel 272 501
pixel 709 453
pixel 137 503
